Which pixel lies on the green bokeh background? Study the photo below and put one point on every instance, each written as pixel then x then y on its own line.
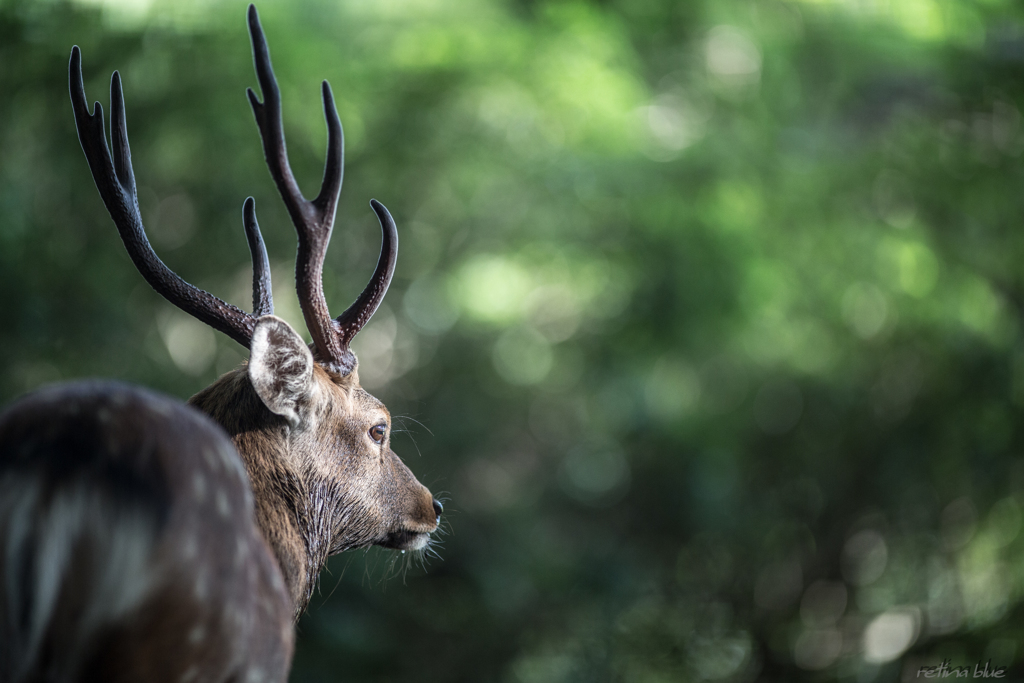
pixel 706 324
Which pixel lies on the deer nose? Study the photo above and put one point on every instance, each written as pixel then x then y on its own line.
pixel 438 509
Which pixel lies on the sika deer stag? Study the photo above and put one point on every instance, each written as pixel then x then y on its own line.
pixel 144 541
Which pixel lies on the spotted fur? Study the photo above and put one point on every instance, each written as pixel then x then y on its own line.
pixel 113 564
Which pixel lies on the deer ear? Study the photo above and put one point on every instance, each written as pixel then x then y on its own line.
pixel 280 368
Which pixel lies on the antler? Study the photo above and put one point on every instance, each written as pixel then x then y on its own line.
pixel 116 183
pixel 314 220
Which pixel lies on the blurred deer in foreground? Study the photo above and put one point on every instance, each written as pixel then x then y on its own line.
pixel 137 545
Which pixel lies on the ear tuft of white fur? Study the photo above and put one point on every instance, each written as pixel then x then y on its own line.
pixel 280 368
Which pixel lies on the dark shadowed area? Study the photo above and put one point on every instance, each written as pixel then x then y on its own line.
pixel 706 325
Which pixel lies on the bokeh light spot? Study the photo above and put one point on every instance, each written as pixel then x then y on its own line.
pixel 672 389
pixel 191 344
pixel 595 474
pixel 890 634
pixel 865 309
pixel 522 356
pixel 865 556
pixel 817 648
pixel 493 289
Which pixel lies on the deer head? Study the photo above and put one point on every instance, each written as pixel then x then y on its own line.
pixel 316 446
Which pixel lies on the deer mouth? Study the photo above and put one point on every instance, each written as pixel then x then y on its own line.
pixel 405 539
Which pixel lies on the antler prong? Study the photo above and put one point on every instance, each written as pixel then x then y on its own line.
pixel 359 313
pixel 334 164
pixel 122 155
pixel 262 291
pixel 268 119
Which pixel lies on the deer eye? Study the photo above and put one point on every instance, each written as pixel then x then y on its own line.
pixel 377 432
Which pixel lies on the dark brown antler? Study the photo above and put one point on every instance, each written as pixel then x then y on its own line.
pixel 115 181
pixel 262 292
pixel 358 314
pixel 314 220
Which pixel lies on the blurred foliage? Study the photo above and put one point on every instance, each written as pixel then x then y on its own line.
pixel 706 321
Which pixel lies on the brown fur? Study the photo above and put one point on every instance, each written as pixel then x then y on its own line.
pixel 323 487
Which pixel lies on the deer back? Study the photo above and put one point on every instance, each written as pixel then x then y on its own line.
pixel 130 545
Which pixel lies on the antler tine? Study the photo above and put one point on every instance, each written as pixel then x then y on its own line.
pixel 116 183
pixel 313 220
pixel 359 313
pixel 262 291
pixel 334 164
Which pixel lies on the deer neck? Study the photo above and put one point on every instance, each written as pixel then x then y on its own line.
pixel 284 501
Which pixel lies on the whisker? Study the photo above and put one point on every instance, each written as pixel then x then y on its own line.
pixel 344 568
pixel 413 419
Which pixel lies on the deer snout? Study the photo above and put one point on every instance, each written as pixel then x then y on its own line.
pixel 427 511
pixel 419 521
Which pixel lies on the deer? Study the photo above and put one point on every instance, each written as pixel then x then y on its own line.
pixel 144 539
